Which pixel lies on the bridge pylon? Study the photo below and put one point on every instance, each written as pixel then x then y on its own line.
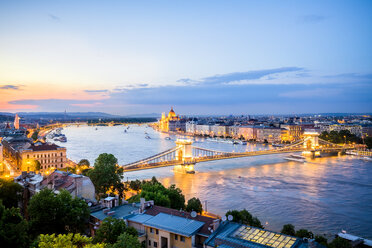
pixel 184 151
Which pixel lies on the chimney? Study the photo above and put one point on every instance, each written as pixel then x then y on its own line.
pixel 216 224
pixel 142 204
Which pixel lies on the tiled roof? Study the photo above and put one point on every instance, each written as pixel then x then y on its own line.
pixel 45 147
pixel 174 224
pixel 154 210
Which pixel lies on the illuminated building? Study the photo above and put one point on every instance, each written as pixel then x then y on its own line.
pixel 171 123
pixel 16 121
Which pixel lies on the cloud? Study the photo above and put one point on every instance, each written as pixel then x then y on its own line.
pixel 311 18
pixel 312 93
pixel 54 18
pixel 96 91
pixel 9 87
pixel 246 76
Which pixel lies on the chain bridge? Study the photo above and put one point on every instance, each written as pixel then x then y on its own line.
pixel 187 155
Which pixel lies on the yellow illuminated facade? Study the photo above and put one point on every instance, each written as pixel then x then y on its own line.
pixel 164 122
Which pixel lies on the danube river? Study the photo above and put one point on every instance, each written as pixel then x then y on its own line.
pixel 324 195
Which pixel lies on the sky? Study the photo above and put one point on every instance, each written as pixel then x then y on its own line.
pixel 201 57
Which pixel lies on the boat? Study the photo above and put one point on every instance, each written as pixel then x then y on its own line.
pixel 96 128
pixel 167 138
pixel 235 142
pixel 63 139
pixel 125 130
pixel 276 145
pixel 296 158
pixel 365 158
pixel 147 137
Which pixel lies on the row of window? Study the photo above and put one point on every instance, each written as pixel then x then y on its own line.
pixel 155 243
pixel 44 161
pixel 45 155
pixel 48 166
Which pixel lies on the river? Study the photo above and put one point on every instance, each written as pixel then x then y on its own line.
pixel 324 195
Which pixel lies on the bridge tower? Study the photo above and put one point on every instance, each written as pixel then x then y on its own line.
pixel 184 153
pixel 311 143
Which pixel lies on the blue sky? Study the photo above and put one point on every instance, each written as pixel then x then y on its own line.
pixel 202 57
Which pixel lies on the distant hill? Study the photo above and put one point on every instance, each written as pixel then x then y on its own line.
pixel 151 115
pixel 61 115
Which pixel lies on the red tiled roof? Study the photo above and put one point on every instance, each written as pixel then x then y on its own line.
pixel 154 210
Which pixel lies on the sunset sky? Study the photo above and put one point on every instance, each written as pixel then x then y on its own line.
pixel 202 57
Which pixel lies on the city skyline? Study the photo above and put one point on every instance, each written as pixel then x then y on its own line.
pixel 202 58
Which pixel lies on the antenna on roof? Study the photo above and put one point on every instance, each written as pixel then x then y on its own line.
pixel 224 218
pixel 193 214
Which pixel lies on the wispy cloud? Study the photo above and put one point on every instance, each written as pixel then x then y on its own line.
pixel 9 87
pixel 96 91
pixel 54 18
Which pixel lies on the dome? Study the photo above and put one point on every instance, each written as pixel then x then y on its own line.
pixel 171 113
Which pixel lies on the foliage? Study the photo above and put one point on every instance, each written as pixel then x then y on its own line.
pixel 50 213
pixel 67 240
pixel 288 229
pixel 10 192
pixel 109 230
pixel 244 217
pixel 84 162
pixel 339 243
pixel 368 142
pixel 106 174
pixel 303 233
pixel 13 228
pixel 171 197
pixel 35 135
pixel 340 137
pixel 194 204
pixel 135 185
pixel 127 240
pixel 132 231
pixel 321 240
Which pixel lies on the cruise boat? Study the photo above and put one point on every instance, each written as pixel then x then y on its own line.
pixel 296 158
pixel 168 138
pixel 147 137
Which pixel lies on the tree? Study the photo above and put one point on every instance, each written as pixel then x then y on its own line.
pixel 106 174
pixel 50 213
pixel 13 228
pixel 109 230
pixel 288 229
pixel 127 240
pixel 66 240
pixel 10 192
pixel 135 185
pixel 177 199
pixel 35 135
pixel 339 243
pixel 321 240
pixel 244 217
pixel 303 233
pixel 84 162
pixel 368 142
pixel 194 204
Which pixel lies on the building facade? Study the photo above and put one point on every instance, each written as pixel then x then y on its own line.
pixel 171 122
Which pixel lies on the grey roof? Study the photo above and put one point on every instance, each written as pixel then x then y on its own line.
pixel 140 218
pixel 121 212
pixel 174 224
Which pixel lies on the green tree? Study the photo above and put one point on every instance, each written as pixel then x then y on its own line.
pixel 10 192
pixel 127 240
pixel 106 174
pixel 288 229
pixel 368 142
pixel 340 243
pixel 194 204
pixel 50 213
pixel 132 231
pixel 303 233
pixel 177 199
pixel 84 162
pixel 109 230
pixel 135 185
pixel 70 240
pixel 321 240
pixel 13 228
pixel 35 135
pixel 244 217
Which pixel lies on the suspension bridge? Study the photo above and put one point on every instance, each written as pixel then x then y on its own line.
pixel 185 154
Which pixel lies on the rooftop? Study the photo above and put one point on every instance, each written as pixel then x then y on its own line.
pixel 121 212
pixel 175 224
pixel 234 234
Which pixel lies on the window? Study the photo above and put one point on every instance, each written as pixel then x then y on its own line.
pixel 176 237
pixel 149 242
pixel 151 230
pixel 182 238
pixel 157 231
pixel 61 160
pixel 61 165
pixel 28 156
pixel 155 244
